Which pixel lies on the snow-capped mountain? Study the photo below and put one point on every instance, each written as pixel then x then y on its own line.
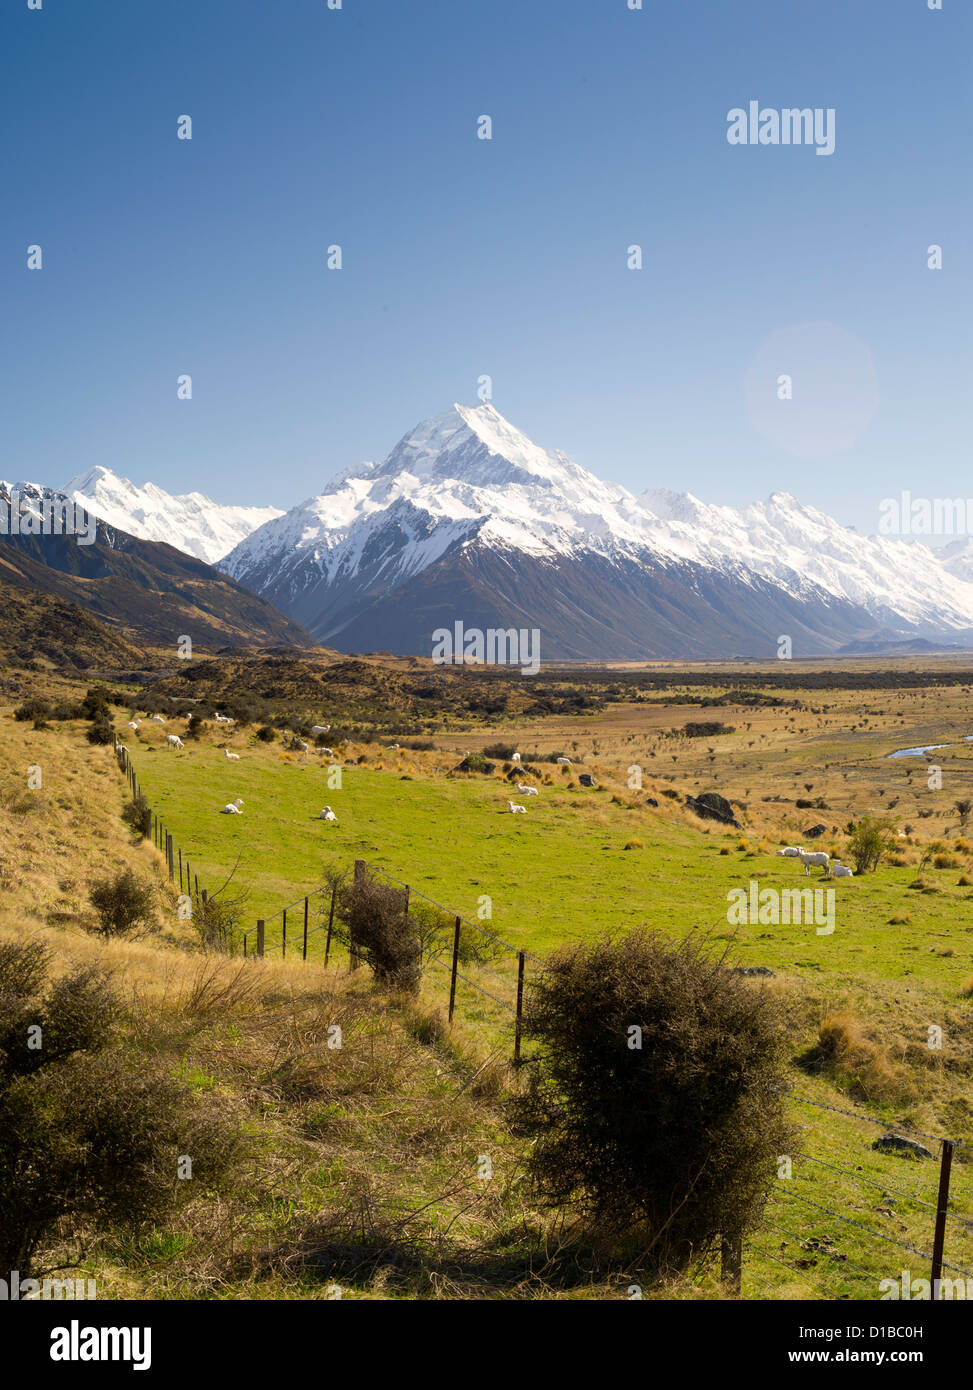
pixel 192 522
pixel 468 519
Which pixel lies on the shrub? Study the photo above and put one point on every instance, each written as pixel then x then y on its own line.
pixel 195 726
pixel 635 844
pixel 100 731
pixel 32 709
pixel 88 1136
pixel 123 904
pixel 871 837
pixel 860 1065
pixel 266 734
pixel 137 815
pixel 375 923
pixel 675 1140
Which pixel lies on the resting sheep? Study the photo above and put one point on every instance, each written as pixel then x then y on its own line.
pixel 791 852
pixel 566 761
pixel 515 757
pixel 515 808
pixel 327 814
pixel 235 756
pixel 157 719
pixel 813 860
pixel 328 752
pixel 232 808
pixel 174 741
pixel 839 870
pixel 525 790
pixel 133 723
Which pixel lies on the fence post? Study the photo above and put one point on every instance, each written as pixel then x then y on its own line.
pixel 731 1250
pixel 171 856
pixel 361 870
pixel 520 1005
pixel 452 982
pixel 260 936
pixel 304 955
pixel 942 1207
pixel 180 871
pixel 283 934
pixel 327 944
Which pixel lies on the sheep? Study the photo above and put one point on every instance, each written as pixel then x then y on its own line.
pixel 223 718
pixel 839 870
pixel 813 860
pixel 174 741
pixel 232 808
pixel 525 790
pixel 158 719
pixel 566 761
pixel 303 746
pixel 133 723
pixel 235 756
pixel 515 808
pixel 515 757
pixel 791 852
pixel 328 814
pixel 320 728
pixel 328 752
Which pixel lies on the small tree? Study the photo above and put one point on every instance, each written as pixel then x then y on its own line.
pixel 654 1096
pixel 123 904
pixel 870 838
pixel 137 815
pixel 964 806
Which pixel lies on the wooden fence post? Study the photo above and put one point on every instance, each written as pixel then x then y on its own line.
pixel 304 955
pixel 942 1208
pixel 452 982
pixel 180 871
pixel 260 936
pixel 520 1005
pixel 327 944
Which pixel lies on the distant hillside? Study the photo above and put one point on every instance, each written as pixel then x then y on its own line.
pixel 34 625
pixel 146 590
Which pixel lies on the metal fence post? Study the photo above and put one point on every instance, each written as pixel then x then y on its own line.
pixel 942 1208
pixel 452 982
pixel 304 955
pixel 283 936
pixel 260 936
pixel 520 1005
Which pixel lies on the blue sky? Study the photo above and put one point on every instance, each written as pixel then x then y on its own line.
pixel 465 257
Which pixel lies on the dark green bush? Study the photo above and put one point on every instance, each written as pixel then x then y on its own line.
pixel 123 904
pixel 670 1144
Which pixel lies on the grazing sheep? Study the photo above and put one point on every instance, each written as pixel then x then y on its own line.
pixel 303 746
pixel 525 790
pixel 232 808
pixel 515 808
pixel 328 814
pixel 515 757
pixel 133 723
pixel 158 719
pixel 814 860
pixel 328 752
pixel 235 756
pixel 174 741
pixel 791 852
pixel 320 728
pixel 566 761
pixel 839 870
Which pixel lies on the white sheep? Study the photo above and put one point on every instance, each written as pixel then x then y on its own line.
pixel 525 790
pixel 515 808
pixel 223 718
pixel 813 860
pixel 303 746
pixel 320 728
pixel 234 756
pixel 791 852
pixel 174 741
pixel 157 719
pixel 515 757
pixel 232 808
pixel 133 723
pixel 566 761
pixel 839 870
pixel 328 814
pixel 328 752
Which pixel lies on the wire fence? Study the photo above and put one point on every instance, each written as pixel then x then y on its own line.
pixel 290 930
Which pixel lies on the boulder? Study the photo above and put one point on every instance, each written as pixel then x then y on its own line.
pixel 815 832
pixel 753 970
pixel 902 1144
pixel 585 779
pixel 712 806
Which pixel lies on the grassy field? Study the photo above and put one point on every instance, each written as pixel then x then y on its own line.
pixel 326 1143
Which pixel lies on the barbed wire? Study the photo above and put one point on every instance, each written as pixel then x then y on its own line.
pixel 869 1119
pixel 877 1235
